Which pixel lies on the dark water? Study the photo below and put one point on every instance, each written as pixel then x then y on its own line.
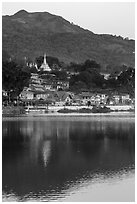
pixel 59 158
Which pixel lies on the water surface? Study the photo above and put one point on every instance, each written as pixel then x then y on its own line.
pixel 68 158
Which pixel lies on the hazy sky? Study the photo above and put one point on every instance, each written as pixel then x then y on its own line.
pixel 117 18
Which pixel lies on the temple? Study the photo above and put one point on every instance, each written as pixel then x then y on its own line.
pixel 45 66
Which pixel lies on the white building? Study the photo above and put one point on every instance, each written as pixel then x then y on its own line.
pixel 45 66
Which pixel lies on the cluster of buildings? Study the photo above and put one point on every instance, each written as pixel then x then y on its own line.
pixel 47 88
pixel 55 97
pixel 106 99
pixel 47 82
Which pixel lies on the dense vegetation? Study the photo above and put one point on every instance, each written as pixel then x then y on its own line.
pixel 89 78
pixel 26 35
pixel 14 77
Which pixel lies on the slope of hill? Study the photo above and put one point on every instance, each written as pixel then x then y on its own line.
pixel 31 34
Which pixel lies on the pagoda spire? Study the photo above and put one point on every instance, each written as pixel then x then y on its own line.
pixel 45 61
pixel 45 66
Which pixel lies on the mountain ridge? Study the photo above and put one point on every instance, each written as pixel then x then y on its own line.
pixel 26 34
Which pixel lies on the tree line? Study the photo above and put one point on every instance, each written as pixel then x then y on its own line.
pixel 90 78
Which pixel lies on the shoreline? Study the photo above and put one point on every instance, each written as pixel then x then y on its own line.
pixel 81 114
pixel 72 111
pixel 119 115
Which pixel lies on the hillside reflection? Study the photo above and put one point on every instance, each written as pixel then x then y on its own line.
pixel 49 155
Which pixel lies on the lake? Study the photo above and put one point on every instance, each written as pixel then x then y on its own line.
pixel 68 158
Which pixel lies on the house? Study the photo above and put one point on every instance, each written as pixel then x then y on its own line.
pixel 60 85
pixel 125 98
pixel 62 97
pixel 51 99
pixel 105 75
pixel 103 98
pixel 36 87
pixel 32 64
pixel 35 79
pixel 27 94
pixel 116 99
pixel 100 98
pixel 76 100
pixel 97 99
pixel 86 97
pixel 41 95
pixel 72 73
pixel 34 76
pixel 110 100
pixel 48 85
pixel 93 98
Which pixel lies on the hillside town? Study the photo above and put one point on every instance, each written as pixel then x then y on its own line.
pixel 46 89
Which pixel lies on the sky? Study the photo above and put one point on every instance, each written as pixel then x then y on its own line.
pixel 116 18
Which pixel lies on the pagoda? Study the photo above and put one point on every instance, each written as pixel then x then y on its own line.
pixel 45 66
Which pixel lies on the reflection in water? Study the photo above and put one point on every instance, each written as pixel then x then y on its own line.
pixel 49 158
pixel 46 152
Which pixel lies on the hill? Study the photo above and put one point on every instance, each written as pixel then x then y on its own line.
pixel 31 34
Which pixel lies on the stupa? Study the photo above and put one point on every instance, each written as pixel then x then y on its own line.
pixel 45 66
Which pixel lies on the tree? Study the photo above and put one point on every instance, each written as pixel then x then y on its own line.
pixel 61 75
pixel 89 78
pixel 126 81
pixel 5 56
pixel 39 61
pixel 127 77
pixel 33 69
pixel 88 64
pixel 79 86
pixel 111 83
pixel 13 78
pixel 91 64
